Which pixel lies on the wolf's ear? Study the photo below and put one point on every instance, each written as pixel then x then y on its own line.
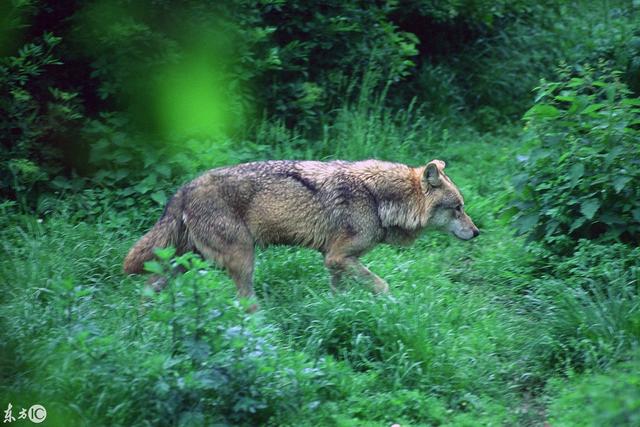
pixel 432 174
pixel 439 163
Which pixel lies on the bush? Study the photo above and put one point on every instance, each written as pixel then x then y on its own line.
pixel 608 399
pixel 37 119
pixel 118 106
pixel 528 47
pixel 582 178
pixel 224 366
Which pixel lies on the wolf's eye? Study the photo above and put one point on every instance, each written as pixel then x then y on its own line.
pixel 459 208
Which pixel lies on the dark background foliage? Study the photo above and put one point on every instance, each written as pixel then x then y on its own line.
pixel 69 67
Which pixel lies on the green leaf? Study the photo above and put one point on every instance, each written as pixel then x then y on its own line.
pixel 82 292
pixel 67 283
pixel 165 253
pixel 526 223
pixel 620 181
pixel 636 214
pixel 577 105
pixel 611 217
pixel 592 108
pixel 121 157
pixel 631 101
pixel 153 267
pixel 575 173
pixel 565 98
pixel 163 170
pixel 159 197
pixel 575 82
pixel 520 180
pixel 577 223
pixel 589 208
pixel 142 187
pixel 539 154
pixel 542 111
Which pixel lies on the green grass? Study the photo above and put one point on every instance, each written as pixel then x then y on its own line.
pixel 473 333
pixel 597 399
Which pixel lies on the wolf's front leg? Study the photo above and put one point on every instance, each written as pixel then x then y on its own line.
pixel 380 286
pixel 337 266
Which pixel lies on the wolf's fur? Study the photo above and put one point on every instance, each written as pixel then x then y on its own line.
pixel 343 209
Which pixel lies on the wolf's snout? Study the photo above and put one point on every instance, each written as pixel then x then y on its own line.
pixel 476 232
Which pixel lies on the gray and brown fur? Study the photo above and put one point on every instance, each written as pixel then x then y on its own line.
pixel 343 209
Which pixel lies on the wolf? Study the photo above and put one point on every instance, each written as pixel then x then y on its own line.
pixel 342 209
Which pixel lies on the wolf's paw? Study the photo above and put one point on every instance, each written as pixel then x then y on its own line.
pixel 157 283
pixel 380 286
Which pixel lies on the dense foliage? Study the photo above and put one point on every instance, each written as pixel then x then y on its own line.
pixel 108 76
pixel 582 180
pixel 107 106
pixel 36 118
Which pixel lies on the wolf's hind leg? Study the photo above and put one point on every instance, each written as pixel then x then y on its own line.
pixel 228 243
pixel 336 270
pixel 354 267
pixel 237 260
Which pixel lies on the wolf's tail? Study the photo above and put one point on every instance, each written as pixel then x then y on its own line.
pixel 168 231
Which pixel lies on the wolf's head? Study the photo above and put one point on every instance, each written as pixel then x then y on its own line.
pixel 446 203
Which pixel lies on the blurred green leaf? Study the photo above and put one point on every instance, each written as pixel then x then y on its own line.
pixel 589 207
pixel 620 181
pixel 159 197
pixel 526 223
pixel 165 253
pixel 153 267
pixel 576 172
pixel 542 111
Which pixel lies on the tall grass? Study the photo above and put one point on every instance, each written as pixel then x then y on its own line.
pixel 365 126
pixel 590 309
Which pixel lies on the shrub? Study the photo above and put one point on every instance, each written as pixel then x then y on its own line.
pixel 582 178
pixel 37 118
pixel 607 399
pixel 501 67
pixel 224 365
